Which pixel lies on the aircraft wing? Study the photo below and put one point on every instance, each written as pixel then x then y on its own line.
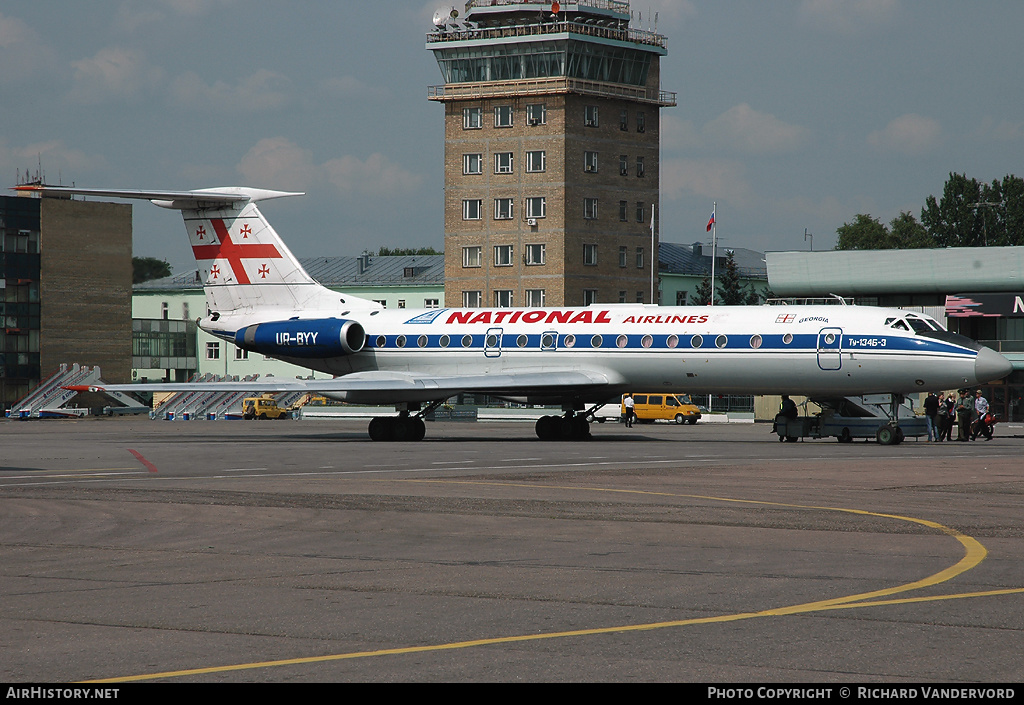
pixel 390 387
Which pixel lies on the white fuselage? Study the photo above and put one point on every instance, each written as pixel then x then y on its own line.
pixel 809 350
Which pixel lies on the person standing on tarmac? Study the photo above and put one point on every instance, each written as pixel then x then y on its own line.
pixel 630 414
pixel 931 410
pixel 964 415
pixel 981 428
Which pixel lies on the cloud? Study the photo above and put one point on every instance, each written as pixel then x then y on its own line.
pixel 712 179
pixel 910 134
pixel 745 130
pixel 58 160
pixel 679 134
pixel 279 163
pixel 352 88
pixel 130 16
pixel 112 73
pixel 376 175
pixel 263 90
pixel 847 17
pixel 24 56
pixel 1002 131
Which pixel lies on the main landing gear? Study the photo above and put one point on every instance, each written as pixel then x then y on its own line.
pixel 403 427
pixel 571 426
pixel 397 428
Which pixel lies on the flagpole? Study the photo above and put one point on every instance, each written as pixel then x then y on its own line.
pixel 654 252
pixel 714 246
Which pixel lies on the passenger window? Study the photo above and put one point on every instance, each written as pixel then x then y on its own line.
pixel 640 399
pixel 671 401
pixel 656 400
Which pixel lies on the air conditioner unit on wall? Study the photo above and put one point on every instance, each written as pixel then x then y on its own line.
pixel 532 222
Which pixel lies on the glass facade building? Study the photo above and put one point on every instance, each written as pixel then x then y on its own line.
pixel 19 298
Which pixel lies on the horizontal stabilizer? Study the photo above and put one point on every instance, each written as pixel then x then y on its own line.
pixel 177 200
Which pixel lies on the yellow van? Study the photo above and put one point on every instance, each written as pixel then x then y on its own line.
pixel 670 407
pixel 262 407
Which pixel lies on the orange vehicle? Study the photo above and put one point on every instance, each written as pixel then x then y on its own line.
pixel 669 407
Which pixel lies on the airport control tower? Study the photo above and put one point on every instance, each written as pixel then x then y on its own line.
pixel 551 152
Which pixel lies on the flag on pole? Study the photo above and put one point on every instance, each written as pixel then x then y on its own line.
pixel 711 221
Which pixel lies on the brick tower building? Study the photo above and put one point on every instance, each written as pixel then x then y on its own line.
pixel 552 142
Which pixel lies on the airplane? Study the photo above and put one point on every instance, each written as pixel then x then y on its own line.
pixel 261 299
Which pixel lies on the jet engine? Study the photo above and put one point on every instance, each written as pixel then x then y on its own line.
pixel 298 338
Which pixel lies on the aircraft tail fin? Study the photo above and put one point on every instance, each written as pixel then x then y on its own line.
pixel 243 263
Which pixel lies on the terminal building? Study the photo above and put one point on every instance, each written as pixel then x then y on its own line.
pixel 976 291
pixel 551 166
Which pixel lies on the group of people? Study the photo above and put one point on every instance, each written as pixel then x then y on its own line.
pixel 968 412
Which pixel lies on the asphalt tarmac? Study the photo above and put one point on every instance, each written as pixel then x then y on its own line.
pixel 299 551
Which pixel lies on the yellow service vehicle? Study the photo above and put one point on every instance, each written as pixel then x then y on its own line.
pixel 262 407
pixel 670 407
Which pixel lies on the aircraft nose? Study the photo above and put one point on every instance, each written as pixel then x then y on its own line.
pixel 990 365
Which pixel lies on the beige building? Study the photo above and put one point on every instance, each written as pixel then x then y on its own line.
pixel 552 133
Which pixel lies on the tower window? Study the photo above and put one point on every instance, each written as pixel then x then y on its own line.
pixel 472 164
pixel 536 161
pixel 503 116
pixel 472 118
pixel 536 114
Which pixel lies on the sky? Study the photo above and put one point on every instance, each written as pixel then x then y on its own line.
pixel 792 115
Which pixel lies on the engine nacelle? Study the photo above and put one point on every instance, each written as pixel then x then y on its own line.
pixel 311 338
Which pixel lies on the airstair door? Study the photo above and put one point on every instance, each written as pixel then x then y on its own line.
pixel 492 343
pixel 830 351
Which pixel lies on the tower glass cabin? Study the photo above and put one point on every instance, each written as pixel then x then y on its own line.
pixel 552 132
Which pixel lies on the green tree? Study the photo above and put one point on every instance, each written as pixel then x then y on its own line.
pixel 730 291
pixel 905 233
pixel 145 269
pixel 702 292
pixel 864 233
pixel 954 220
pixel 394 251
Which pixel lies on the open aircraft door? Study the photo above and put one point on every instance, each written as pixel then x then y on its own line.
pixel 830 348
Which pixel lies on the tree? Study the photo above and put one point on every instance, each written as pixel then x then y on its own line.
pixel 867 233
pixel 702 292
pixel 145 269
pixel 394 251
pixel 730 292
pixel 906 233
pixel 954 220
pixel 864 233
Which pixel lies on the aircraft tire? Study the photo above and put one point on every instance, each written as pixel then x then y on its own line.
pixel 546 427
pixel 380 429
pixel 886 435
pixel 580 428
pixel 418 429
pixel 401 431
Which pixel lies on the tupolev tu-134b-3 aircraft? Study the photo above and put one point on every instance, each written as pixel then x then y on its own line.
pixel 261 299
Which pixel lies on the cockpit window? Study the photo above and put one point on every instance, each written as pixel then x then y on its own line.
pixel 919 325
pixel 899 324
